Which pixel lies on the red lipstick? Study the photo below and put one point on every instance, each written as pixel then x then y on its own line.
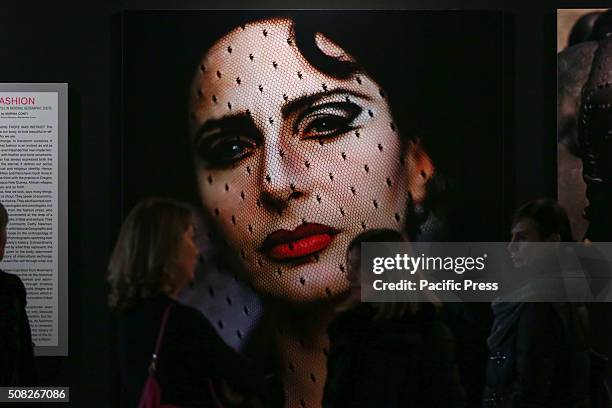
pixel 306 239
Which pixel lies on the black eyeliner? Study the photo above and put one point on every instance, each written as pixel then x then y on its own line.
pixel 352 108
pixel 206 146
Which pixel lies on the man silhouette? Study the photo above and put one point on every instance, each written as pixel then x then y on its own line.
pixel 17 363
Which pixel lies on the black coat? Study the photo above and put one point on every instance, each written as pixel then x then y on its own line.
pixel 191 354
pixel 17 362
pixel 409 362
pixel 541 359
pixel 470 324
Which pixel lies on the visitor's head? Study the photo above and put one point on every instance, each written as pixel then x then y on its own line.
pixel 155 252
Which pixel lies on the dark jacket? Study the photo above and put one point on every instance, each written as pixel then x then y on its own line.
pixel 408 362
pixel 470 323
pixel 191 353
pixel 539 357
pixel 17 362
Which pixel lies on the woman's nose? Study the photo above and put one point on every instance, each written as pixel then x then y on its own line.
pixel 279 179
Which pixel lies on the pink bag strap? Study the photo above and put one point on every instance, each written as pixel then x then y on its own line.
pixel 160 336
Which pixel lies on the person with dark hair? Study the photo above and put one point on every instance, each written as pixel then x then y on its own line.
pixel 539 354
pixel 389 354
pixel 541 220
pixel 153 260
pixel 17 361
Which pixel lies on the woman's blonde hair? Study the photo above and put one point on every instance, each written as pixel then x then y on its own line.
pixel 142 263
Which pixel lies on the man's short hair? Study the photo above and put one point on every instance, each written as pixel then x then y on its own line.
pixel 549 216
pixel 3 216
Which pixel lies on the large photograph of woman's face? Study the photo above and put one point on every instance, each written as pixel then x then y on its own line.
pixel 293 162
pixel 292 133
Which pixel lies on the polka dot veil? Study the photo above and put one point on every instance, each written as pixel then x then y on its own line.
pixel 293 162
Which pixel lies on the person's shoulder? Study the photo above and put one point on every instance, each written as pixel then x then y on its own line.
pixel 539 309
pixel 191 325
pixel 190 317
pixel 185 310
pixel 536 310
pixel 355 320
pixel 546 309
pixel 567 311
pixel 5 277
pixel 538 316
pixel 434 331
pixel 11 281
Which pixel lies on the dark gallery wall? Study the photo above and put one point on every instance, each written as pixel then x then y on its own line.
pixel 71 42
pixel 63 42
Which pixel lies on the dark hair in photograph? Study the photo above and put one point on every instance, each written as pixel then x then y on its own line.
pixel 440 92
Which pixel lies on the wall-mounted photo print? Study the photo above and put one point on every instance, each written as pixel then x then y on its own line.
pixel 584 153
pixel 290 135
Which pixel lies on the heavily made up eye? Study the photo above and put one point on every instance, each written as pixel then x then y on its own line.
pixel 221 150
pixel 327 120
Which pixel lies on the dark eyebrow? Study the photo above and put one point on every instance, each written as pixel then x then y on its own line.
pixel 242 120
pixel 307 100
pixel 232 121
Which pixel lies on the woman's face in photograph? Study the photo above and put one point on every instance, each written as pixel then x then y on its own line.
pixel 293 163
